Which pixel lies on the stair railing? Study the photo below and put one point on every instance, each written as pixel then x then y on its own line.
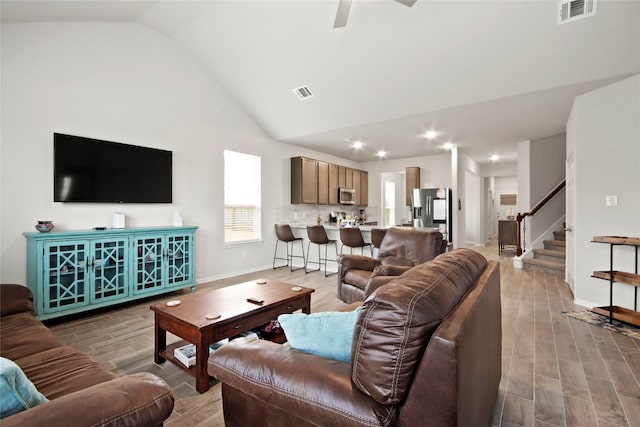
pixel 521 216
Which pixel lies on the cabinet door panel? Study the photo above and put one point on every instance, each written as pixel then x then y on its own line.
pixel 65 284
pixel 364 188
pixel 348 178
pixel 147 252
pixel 333 184
pixel 109 266
pixel 323 183
pixel 309 181
pixel 180 259
pixel 356 186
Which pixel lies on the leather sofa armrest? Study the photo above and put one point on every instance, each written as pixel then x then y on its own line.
pixel 390 270
pixel 357 262
pixel 316 389
pixel 353 262
pixel 140 399
pixel 382 275
pixel 15 299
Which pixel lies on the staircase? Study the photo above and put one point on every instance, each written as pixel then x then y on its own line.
pixel 551 259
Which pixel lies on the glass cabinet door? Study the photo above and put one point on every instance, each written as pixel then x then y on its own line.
pixel 147 253
pixel 65 275
pixel 179 259
pixel 109 268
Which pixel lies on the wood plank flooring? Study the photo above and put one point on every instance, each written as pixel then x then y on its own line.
pixel 557 371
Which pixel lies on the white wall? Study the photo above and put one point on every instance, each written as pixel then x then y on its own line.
pixel 504 185
pixel 605 133
pixel 123 82
pixel 435 171
pixel 548 170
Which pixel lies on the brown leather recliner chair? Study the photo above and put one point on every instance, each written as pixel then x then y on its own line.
pixel 400 250
pixel 426 351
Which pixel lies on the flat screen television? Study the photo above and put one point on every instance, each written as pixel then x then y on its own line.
pixel 92 170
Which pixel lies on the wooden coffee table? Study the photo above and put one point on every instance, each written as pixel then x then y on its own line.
pixel 188 320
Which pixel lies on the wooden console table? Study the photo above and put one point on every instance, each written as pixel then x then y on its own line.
pixel 507 234
pixel 611 275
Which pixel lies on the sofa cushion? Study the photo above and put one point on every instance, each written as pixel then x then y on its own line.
pixel 398 320
pixel 23 334
pixel 327 334
pixel 17 393
pixel 63 370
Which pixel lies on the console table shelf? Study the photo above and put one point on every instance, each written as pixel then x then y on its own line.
pixel 613 276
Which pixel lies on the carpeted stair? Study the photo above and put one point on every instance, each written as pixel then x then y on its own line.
pixel 551 259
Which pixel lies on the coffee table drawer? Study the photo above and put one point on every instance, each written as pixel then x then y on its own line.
pixel 254 320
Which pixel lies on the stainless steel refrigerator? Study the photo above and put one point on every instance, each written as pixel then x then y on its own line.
pixel 431 208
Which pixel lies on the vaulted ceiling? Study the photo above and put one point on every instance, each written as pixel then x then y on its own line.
pixel 485 75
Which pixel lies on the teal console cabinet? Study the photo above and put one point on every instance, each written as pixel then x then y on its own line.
pixel 73 271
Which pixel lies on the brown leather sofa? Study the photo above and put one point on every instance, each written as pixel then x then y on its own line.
pixel 80 391
pixel 426 352
pixel 400 250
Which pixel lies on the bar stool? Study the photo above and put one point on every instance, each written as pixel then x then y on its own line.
pixel 377 234
pixel 318 235
pixel 352 237
pixel 284 234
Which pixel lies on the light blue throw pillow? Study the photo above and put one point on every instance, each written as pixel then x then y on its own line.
pixel 17 392
pixel 328 334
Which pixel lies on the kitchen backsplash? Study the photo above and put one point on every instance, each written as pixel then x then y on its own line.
pixel 308 214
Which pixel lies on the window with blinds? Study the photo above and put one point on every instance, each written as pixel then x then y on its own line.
pixel 242 197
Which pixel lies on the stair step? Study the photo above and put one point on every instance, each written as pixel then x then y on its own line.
pixel 546 266
pixel 555 245
pixel 549 255
pixel 560 235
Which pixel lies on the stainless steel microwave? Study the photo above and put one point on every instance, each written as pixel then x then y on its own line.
pixel 347 196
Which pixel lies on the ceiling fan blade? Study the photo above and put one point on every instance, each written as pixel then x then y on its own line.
pixel 343 13
pixel 407 3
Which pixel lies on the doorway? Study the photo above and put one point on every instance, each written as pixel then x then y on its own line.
pixel 392 203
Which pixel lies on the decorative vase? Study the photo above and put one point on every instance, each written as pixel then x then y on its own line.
pixel 44 226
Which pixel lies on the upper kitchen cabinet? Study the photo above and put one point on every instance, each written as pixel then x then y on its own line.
pixel 304 180
pixel 323 183
pixel 333 184
pixel 317 183
pixel 412 182
pixel 342 177
pixel 364 188
pixel 348 179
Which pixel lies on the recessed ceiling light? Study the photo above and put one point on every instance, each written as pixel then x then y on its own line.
pixel 357 144
pixel 495 157
pixel 382 153
pixel 448 145
pixel 430 134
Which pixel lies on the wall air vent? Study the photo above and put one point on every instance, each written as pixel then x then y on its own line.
pixel 572 10
pixel 303 92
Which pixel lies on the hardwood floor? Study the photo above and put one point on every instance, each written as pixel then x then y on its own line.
pixel 557 371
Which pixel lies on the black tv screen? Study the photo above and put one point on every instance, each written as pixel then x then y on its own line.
pixel 91 170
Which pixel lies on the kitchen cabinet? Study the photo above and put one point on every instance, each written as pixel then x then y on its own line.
pixel 316 182
pixel 333 184
pixel 364 188
pixel 342 177
pixel 348 178
pixel 323 183
pixel 74 271
pixel 304 180
pixel 613 276
pixel 356 186
pixel 412 181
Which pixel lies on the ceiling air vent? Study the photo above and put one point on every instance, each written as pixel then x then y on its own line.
pixel 303 92
pixel 572 10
